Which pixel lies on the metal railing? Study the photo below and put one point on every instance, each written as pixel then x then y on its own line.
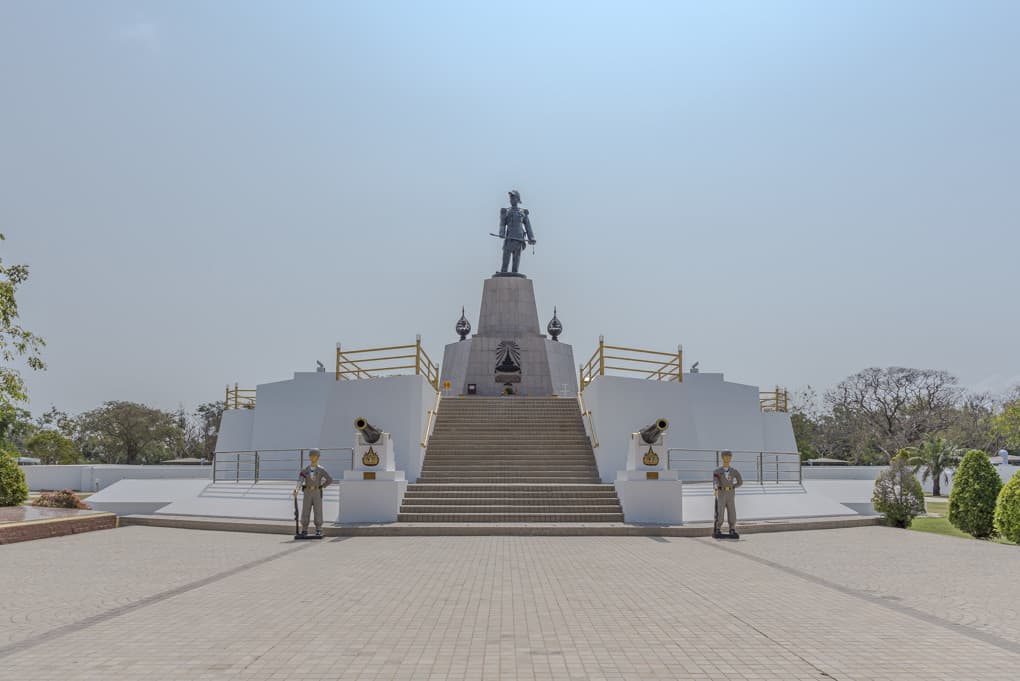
pixel 239 398
pixel 697 465
pixel 651 364
pixel 586 413
pixel 775 400
pixel 352 365
pixel 433 414
pixel 277 464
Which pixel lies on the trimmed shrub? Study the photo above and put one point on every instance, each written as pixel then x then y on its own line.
pixel 65 498
pixel 975 489
pixel 13 488
pixel 898 494
pixel 1007 510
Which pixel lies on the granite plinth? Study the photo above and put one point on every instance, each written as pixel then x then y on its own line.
pixel 509 313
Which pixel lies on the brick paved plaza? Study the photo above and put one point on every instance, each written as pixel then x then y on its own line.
pixel 154 603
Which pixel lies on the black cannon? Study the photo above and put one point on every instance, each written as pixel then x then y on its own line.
pixel 650 434
pixel 369 433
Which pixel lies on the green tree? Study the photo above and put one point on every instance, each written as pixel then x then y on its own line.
pixel 208 416
pixel 1007 424
pixel 972 424
pixel 898 494
pixel 975 489
pixel 934 457
pixel 1007 510
pixel 127 432
pixel 15 426
pixel 15 342
pixel 13 489
pixel 53 448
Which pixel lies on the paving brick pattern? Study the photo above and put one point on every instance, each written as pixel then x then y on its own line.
pixel 183 604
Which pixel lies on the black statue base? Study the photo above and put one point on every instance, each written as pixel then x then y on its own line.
pixel 509 274
pixel 308 536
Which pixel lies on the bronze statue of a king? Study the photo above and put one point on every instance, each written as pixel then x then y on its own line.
pixel 515 230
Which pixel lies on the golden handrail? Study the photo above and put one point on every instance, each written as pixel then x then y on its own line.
pixel 433 413
pixel 373 362
pixel 668 370
pixel 591 423
pixel 239 398
pixel 775 400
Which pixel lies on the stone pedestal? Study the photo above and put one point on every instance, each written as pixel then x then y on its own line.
pixel 657 502
pixel 649 492
pixel 509 313
pixel 370 501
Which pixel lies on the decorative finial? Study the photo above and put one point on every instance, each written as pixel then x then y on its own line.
pixel 555 327
pixel 463 325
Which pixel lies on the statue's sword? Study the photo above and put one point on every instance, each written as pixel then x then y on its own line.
pixel 514 238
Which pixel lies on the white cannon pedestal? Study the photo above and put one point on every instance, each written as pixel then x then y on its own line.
pixel 373 490
pixel 649 493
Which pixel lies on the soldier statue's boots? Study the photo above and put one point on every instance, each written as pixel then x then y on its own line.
pixel 717 534
pixel 318 531
pixel 734 535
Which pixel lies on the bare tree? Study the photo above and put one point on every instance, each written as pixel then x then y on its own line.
pixel 895 407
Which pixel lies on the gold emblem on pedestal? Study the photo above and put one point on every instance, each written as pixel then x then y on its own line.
pixel 370 458
pixel 650 458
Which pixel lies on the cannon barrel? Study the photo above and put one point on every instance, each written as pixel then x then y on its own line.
pixel 651 432
pixel 369 433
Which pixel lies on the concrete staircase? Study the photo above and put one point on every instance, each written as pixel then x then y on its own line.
pixel 509 459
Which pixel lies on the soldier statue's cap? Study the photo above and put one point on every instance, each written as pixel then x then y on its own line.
pixel 314 451
pixel 515 193
pixel 725 452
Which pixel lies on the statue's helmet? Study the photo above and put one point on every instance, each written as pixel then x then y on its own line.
pixel 514 194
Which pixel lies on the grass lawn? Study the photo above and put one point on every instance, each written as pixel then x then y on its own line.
pixel 939 523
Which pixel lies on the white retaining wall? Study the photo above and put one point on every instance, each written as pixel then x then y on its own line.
pixel 871 473
pixel 315 410
pixel 94 477
pixel 704 412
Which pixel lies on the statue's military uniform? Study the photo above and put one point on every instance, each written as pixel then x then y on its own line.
pixel 313 480
pixel 515 229
pixel 726 481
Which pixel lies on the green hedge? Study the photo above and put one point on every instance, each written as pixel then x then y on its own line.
pixel 13 489
pixel 1007 510
pixel 975 489
pixel 898 494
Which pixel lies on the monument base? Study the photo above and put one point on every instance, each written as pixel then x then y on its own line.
pixel 370 501
pixel 509 313
pixel 656 502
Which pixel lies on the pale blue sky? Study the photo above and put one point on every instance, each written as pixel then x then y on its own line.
pixel 219 192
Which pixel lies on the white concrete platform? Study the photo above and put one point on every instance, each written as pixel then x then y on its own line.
pixel 262 501
pixel 771 501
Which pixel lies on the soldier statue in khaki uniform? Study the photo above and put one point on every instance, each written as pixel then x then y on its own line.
pixel 725 481
pixel 312 480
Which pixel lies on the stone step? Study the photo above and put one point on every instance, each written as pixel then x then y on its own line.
pixel 546 487
pixel 511 508
pixel 497 466
pixel 509 439
pixel 505 479
pixel 544 473
pixel 510 517
pixel 503 500
pixel 448 460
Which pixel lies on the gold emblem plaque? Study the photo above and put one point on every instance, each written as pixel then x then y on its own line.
pixel 651 458
pixel 370 458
